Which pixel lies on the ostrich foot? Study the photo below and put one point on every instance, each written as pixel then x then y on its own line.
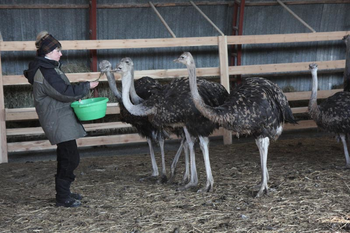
pixel 263 190
pixel 208 188
pixel 149 178
pixel 347 166
pixel 188 186
pixel 163 179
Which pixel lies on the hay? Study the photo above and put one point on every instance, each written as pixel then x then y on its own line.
pixel 308 193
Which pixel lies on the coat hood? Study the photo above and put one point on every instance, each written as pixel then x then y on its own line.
pixel 36 64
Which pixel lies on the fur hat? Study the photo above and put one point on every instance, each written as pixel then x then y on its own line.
pixel 46 44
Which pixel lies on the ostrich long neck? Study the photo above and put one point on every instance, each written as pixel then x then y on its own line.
pixel 313 108
pixel 113 86
pixel 135 98
pixel 139 109
pixel 206 110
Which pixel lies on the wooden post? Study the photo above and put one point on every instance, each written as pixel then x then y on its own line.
pixel 224 77
pixel 3 139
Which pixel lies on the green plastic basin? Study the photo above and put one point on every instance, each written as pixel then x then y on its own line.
pixel 90 109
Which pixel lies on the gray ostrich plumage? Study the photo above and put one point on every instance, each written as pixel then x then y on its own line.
pixel 257 107
pixel 173 107
pixel 140 91
pixel 333 114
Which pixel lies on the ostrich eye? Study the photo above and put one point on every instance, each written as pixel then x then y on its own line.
pixel 127 62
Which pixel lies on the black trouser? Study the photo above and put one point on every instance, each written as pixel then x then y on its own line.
pixel 67 161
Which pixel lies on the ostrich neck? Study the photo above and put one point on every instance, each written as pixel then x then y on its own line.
pixel 139 109
pixel 206 110
pixel 135 98
pixel 347 65
pixel 313 108
pixel 113 86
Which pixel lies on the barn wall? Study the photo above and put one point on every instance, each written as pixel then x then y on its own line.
pixel 185 21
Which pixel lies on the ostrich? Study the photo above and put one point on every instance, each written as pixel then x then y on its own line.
pixel 333 114
pixel 257 107
pixel 173 107
pixel 141 123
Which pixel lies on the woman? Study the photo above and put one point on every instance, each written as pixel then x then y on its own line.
pixel 53 94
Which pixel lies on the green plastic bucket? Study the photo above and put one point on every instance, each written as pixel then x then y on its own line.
pixel 90 109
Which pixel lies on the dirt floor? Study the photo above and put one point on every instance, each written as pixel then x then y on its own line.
pixel 309 192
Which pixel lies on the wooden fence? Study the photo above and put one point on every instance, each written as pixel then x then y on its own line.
pixel 224 70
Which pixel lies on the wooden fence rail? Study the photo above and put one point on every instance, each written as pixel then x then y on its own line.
pixel 223 71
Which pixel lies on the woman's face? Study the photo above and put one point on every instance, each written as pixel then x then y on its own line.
pixel 55 54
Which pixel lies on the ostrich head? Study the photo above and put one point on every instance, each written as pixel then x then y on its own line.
pixel 185 58
pixel 313 66
pixel 105 66
pixel 125 65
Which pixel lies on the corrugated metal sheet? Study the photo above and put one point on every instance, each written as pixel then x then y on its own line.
pixel 185 21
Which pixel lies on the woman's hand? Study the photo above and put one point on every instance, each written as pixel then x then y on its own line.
pixel 93 84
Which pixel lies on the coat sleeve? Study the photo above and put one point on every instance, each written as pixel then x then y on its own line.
pixel 64 92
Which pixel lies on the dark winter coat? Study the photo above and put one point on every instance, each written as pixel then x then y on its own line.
pixel 53 94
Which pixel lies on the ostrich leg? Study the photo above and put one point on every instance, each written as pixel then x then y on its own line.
pixel 346 152
pixel 176 159
pixel 263 145
pixel 194 177
pixel 164 178
pixel 204 141
pixel 186 177
pixel 153 158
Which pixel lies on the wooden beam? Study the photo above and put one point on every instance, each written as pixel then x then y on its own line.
pixel 287 38
pixel 162 20
pixel 305 95
pixel 305 124
pixel 302 2
pixel 224 80
pixel 207 18
pixel 295 16
pixel 18 114
pixel 88 127
pixel 108 6
pixel 179 42
pixel 336 65
pixel 3 139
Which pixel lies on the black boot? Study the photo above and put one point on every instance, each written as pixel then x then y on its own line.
pixel 76 196
pixel 63 195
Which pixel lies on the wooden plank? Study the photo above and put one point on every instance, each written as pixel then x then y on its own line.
pixel 15 114
pixel 178 42
pixel 285 67
pixel 303 2
pixel 300 110
pixel 85 142
pixel 88 128
pixel 287 38
pixel 115 44
pixel 3 139
pixel 306 124
pixel 305 95
pixel 105 6
pixel 120 139
pixel 82 142
pixel 224 78
pixel 201 72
